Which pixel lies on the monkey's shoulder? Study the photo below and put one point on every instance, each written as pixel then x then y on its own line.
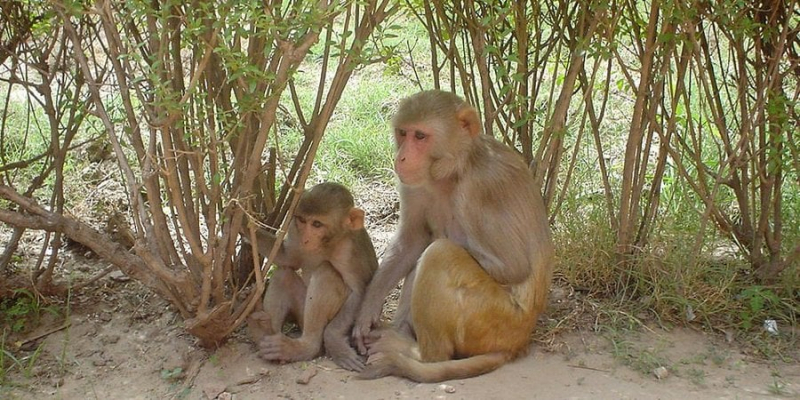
pixel 493 161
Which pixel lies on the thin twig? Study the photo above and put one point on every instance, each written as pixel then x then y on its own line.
pixel 589 368
pixel 65 325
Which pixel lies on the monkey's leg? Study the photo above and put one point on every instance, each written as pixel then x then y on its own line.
pixel 402 316
pixel 466 323
pixel 459 311
pixel 325 295
pixel 285 296
pixel 337 335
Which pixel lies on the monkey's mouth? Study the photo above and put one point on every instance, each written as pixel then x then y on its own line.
pixel 408 178
pixel 409 181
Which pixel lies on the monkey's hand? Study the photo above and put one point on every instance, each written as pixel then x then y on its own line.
pixel 379 366
pixel 345 357
pixel 389 352
pixel 386 340
pixel 362 328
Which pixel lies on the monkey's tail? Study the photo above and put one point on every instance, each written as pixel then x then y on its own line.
pixel 401 365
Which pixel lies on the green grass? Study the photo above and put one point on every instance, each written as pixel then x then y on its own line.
pixel 635 356
pixel 777 387
pixel 697 376
pixel 357 145
pixel 23 310
pixel 24 136
pixel 21 313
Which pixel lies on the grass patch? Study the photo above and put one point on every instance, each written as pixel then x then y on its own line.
pixel 23 310
pixel 697 376
pixel 676 281
pixel 635 355
pixel 777 387
pixel 358 144
pixel 20 361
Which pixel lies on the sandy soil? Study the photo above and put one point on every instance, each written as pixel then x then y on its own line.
pixel 125 343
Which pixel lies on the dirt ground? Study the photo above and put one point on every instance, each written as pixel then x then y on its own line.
pixel 123 342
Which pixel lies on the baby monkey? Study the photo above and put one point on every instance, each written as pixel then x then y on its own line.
pixel 323 268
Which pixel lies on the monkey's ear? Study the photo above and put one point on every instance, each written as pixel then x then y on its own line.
pixel 468 118
pixel 355 219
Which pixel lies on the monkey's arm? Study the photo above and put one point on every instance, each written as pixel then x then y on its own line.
pixel 518 236
pixel 265 240
pixel 401 256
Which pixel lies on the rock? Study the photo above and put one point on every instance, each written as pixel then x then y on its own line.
pixel 109 339
pixel 447 388
pixel 730 335
pixel 306 376
pixel 118 276
pixel 661 372
pixel 104 316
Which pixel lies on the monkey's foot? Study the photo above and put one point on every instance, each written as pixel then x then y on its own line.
pixel 345 356
pixel 281 348
pixel 259 324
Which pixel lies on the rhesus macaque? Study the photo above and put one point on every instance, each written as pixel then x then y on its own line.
pixel 473 245
pixel 328 243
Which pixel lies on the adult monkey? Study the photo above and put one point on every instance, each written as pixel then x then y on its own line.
pixel 328 242
pixel 473 244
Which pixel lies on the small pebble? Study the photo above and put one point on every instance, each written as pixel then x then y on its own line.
pixel 109 339
pixel 447 388
pixel 661 373
pixel 104 316
pixel 306 376
pixel 119 276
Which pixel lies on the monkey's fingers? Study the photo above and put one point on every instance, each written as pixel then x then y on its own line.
pixel 373 338
pixel 272 352
pixel 344 356
pixel 351 363
pixel 267 355
pixel 380 341
pixel 281 348
pixel 385 344
pixel 361 332
pixel 378 366
pixel 361 346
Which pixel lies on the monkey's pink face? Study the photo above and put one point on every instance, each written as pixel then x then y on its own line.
pixel 413 159
pixel 311 233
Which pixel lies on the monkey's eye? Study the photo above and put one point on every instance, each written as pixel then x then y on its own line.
pixel 401 133
pixel 419 135
pixel 300 219
pixel 317 224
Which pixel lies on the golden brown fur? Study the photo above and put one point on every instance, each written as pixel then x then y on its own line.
pixel 473 245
